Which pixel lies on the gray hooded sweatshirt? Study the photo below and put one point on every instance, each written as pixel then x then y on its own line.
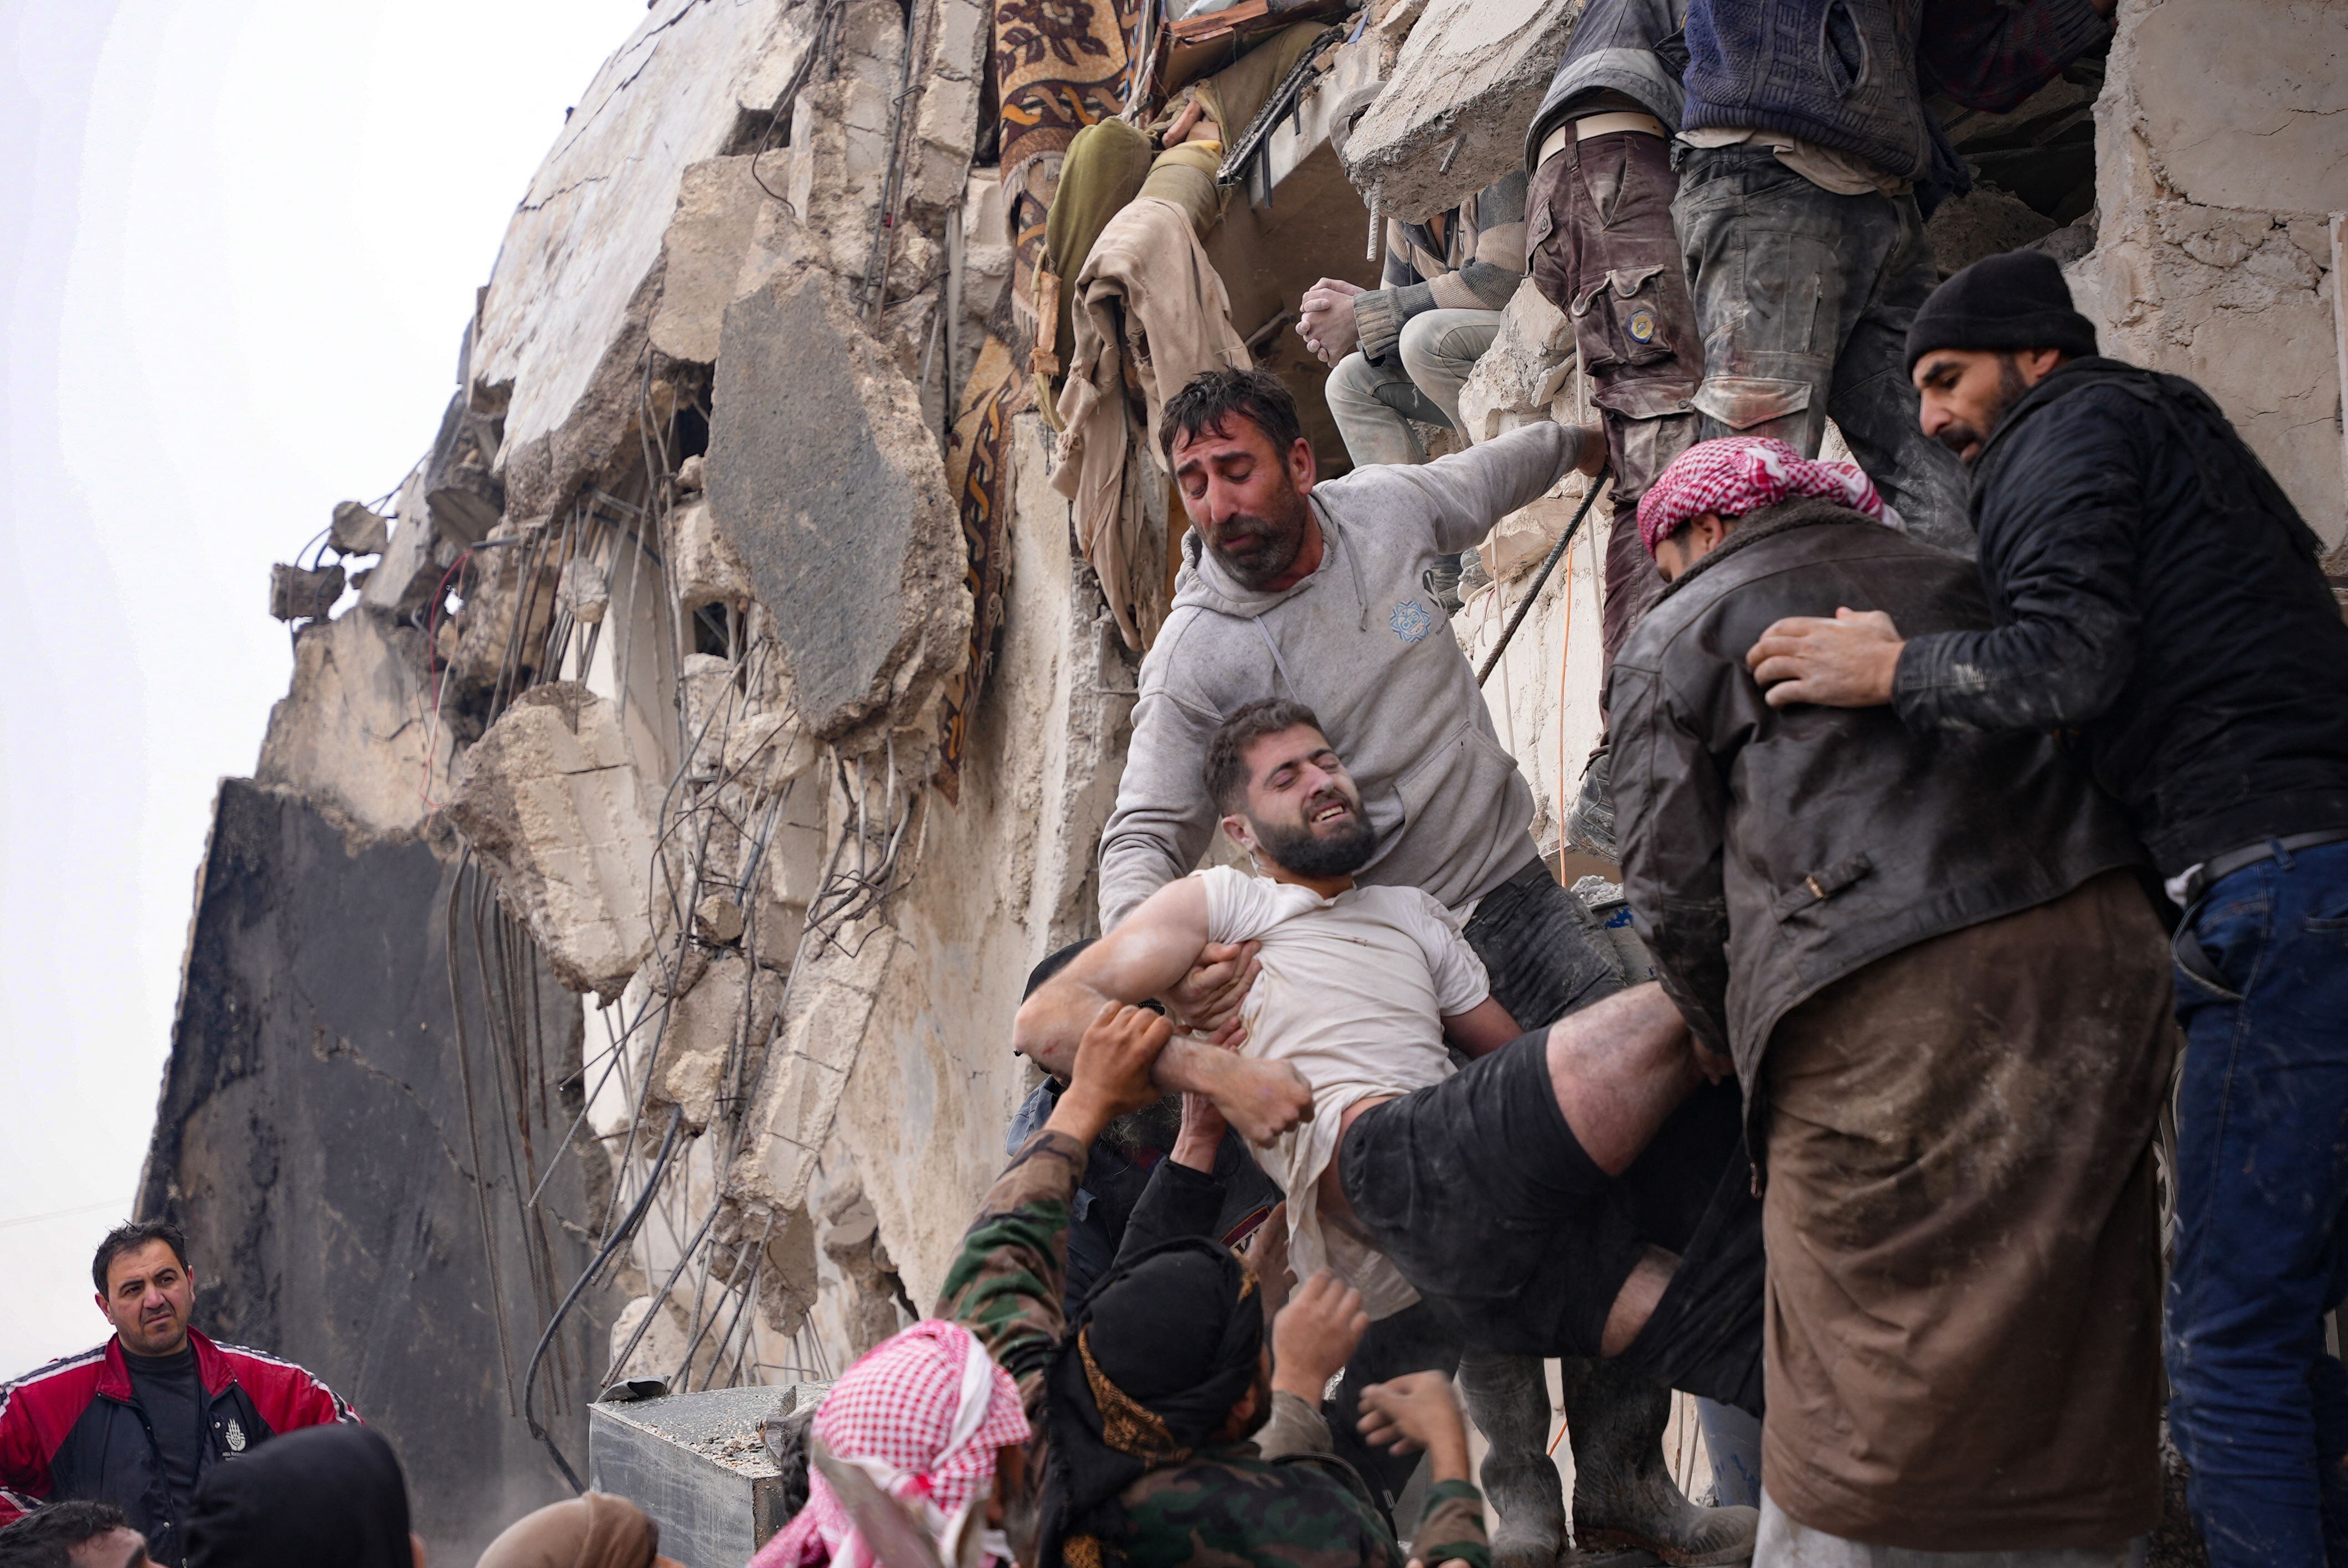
pixel 1366 646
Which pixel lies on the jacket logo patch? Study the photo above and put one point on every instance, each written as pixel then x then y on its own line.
pixel 235 1437
pixel 1642 325
pixel 1410 620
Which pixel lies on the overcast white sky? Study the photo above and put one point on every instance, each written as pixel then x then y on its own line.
pixel 239 241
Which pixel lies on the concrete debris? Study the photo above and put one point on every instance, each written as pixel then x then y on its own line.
pixel 688 474
pixel 859 1289
pixel 404 577
pixel 781 1247
pixel 1522 377
pixel 2220 153
pixel 552 801
pixel 584 592
pixel 563 325
pixel 829 484
pixel 702 566
pixel 465 500
pixel 717 920
pixel 710 256
pixel 1451 119
pixel 357 531
pixel 1982 223
pixel 295 594
pixel 660 1343
pixel 714 1041
pixel 353 732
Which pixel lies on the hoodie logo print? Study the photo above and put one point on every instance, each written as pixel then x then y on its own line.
pixel 1410 620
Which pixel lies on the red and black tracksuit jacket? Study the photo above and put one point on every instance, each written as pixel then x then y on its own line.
pixel 74 1429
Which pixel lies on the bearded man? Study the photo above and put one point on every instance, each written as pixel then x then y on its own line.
pixel 1577 1191
pixel 1316 592
pixel 2157 599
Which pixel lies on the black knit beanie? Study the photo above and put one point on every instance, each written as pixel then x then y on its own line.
pixel 2017 300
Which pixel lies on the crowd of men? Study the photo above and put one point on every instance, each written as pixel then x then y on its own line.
pixel 1946 788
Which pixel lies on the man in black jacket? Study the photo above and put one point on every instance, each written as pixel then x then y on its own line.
pixel 2158 598
pixel 1945 994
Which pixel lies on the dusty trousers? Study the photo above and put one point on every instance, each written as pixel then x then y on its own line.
pixel 1603 249
pixel 1804 298
pixel 1963 1336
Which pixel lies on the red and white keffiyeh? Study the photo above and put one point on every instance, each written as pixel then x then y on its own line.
pixel 923 1414
pixel 1735 475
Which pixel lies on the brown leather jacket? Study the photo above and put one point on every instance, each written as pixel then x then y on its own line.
pixel 1768 852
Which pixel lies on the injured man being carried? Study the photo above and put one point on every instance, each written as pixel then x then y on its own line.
pixel 1579 1190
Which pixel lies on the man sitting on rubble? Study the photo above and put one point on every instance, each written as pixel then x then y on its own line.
pixel 1513 1195
pixel 1141 1405
pixel 1945 989
pixel 1402 350
pixel 1295 588
pixel 142 1418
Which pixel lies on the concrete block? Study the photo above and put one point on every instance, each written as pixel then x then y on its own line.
pixel 1453 114
pixel 695 1462
pixel 403 581
pixel 357 531
pixel 1985 221
pixel 551 800
pixel 353 733
pixel 713 234
pixel 298 595
pixel 465 497
pixel 828 484
pixel 584 591
pixel 1518 380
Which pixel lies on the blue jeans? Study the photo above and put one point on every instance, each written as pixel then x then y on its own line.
pixel 2259 1409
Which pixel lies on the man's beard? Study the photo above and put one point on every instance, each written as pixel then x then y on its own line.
pixel 1284 538
pixel 1957 436
pixel 1295 848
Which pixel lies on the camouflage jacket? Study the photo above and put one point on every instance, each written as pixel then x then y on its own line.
pixel 1225 1507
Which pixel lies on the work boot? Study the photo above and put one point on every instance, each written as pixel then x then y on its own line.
pixel 1623 1496
pixel 1590 823
pixel 1507 1398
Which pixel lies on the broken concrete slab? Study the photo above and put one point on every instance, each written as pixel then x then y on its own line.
pixel 551 801
pixel 353 733
pixel 702 566
pixel 403 581
pixel 562 324
pixel 1984 221
pixel 295 594
pixel 729 1013
pixel 1519 378
pixel 356 530
pixel 465 500
pixel 584 591
pixel 715 226
pixel 2220 153
pixel 1451 119
pixel 830 487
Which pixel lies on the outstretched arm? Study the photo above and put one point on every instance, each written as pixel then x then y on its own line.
pixel 1151 949
pixel 1482 1029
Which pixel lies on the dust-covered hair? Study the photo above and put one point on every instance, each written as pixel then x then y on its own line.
pixel 1227 749
pixel 1212 396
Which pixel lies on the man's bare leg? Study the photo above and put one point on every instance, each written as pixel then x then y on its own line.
pixel 1620 1067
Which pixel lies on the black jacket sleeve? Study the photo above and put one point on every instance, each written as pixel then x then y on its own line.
pixel 2058 528
pixel 1178 1202
pixel 1668 789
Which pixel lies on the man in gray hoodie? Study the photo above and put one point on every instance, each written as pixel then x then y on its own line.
pixel 1315 592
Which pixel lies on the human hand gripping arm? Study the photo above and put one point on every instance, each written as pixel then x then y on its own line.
pixel 1313 1337
pixel 1155 947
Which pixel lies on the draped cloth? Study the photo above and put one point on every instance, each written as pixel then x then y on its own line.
pixel 1152 312
pixel 1151 1365
pixel 1058 66
pixel 922 1413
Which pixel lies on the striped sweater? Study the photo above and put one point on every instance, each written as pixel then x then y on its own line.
pixel 1477 268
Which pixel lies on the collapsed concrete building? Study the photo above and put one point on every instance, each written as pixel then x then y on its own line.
pixel 607 972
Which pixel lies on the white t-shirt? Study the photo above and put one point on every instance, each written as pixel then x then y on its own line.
pixel 1353 994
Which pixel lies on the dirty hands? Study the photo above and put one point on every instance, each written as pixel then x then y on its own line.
pixel 1112 1073
pixel 1315 1334
pixel 1419 1412
pixel 1201 1137
pixel 1206 1001
pixel 1846 662
pixel 1326 319
pixel 1261 1099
